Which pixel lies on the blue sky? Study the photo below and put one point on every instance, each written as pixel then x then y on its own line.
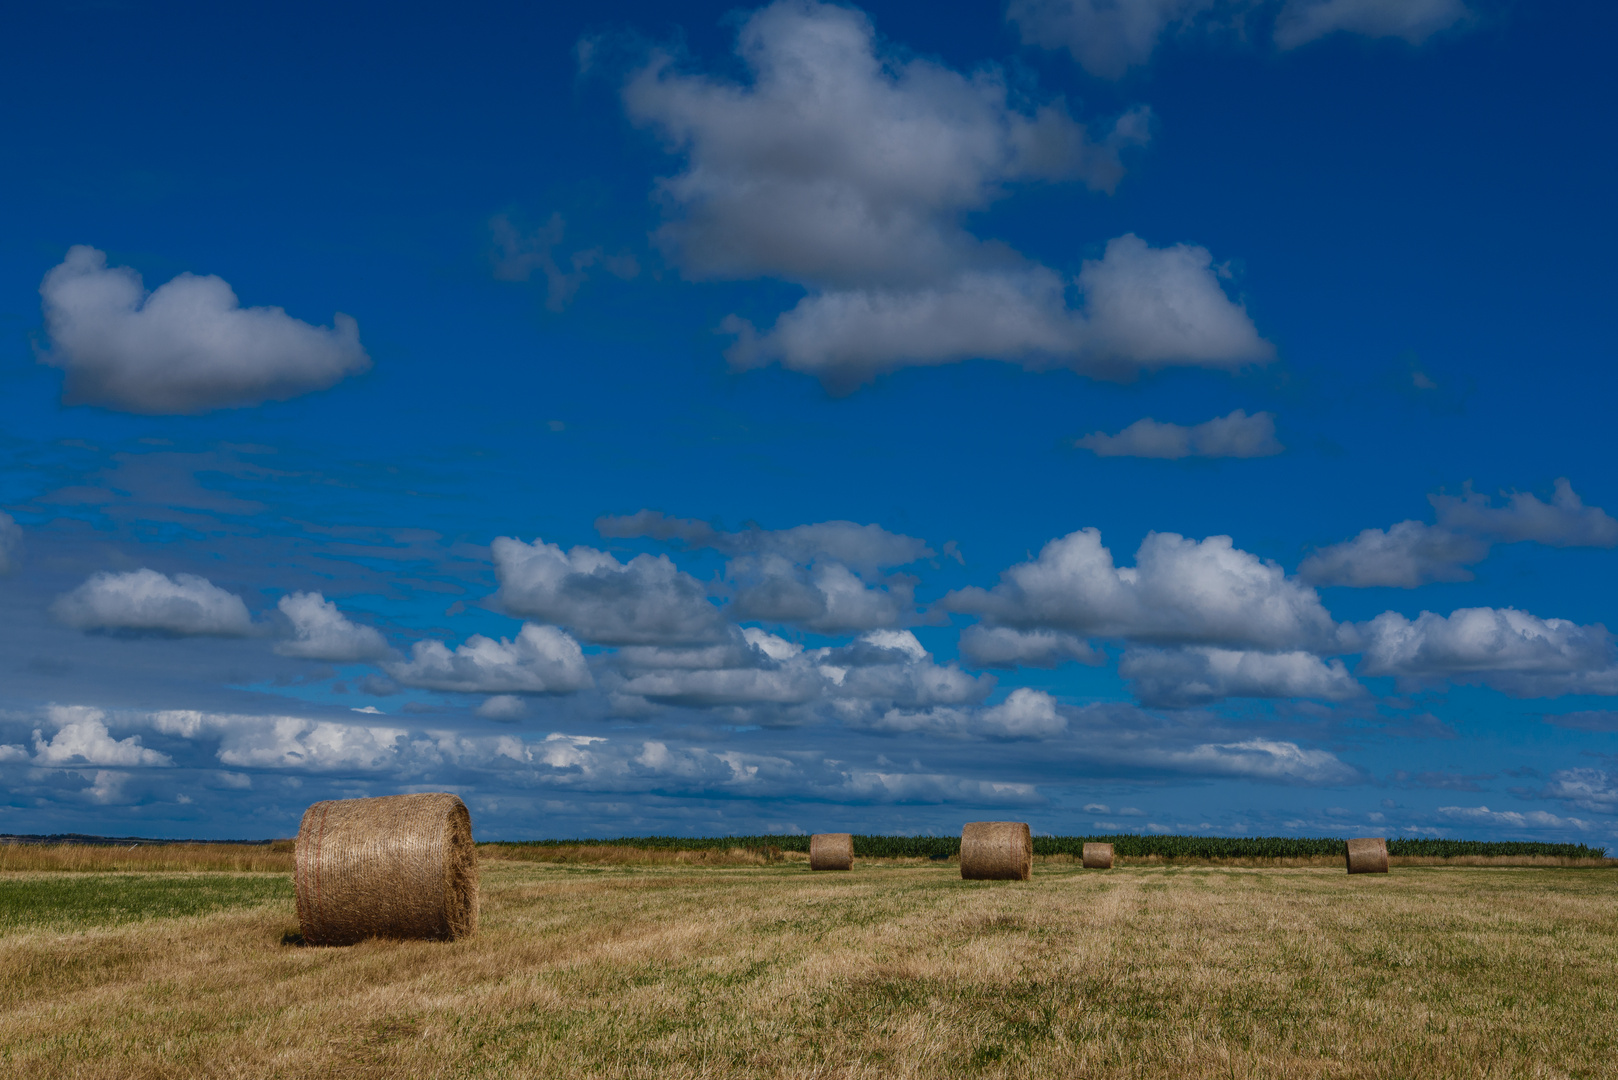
pixel 1182 415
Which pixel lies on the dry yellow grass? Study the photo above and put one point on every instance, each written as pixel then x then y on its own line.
pixel 888 971
pixel 616 855
pixel 149 857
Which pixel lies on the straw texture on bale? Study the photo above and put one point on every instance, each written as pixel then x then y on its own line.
pixel 1098 856
pixel 1367 856
pixel 831 851
pixel 401 866
pixel 997 851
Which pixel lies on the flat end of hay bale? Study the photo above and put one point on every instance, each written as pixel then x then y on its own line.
pixel 997 851
pixel 1098 856
pixel 831 851
pixel 1367 855
pixel 399 866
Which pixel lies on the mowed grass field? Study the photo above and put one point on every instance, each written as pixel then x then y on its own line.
pixel 896 969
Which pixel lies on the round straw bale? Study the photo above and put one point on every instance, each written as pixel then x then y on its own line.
pixel 831 851
pixel 997 851
pixel 1367 856
pixel 1098 856
pixel 401 866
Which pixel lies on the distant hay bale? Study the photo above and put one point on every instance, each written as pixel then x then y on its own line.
pixel 831 851
pixel 1367 856
pixel 401 866
pixel 997 851
pixel 1098 856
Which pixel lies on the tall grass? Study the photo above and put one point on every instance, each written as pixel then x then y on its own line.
pixel 148 857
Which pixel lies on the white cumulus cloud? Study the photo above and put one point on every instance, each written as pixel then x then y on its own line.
pixel 826 597
pixel 1200 675
pixel 145 600
pixel 288 742
pixel 1563 522
pixel 82 739
pixel 1179 590
pixel 646 601
pixel 1595 790
pixel 1412 553
pixel 187 347
pixel 1143 307
pixel 848 168
pixel 826 577
pixel 503 707
pixel 1236 435
pixel 1003 647
pixel 541 660
pixel 839 163
pixel 1511 650
pixel 321 632
pixel 1025 714
pixel 880 670
pixel 1404 556
pixel 1264 759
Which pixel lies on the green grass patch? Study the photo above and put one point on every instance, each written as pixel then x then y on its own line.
pixel 87 901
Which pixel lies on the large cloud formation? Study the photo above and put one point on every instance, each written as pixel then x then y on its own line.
pixel 1513 651
pixel 145 600
pixel 187 347
pixel 1179 591
pixel 321 632
pixel 848 169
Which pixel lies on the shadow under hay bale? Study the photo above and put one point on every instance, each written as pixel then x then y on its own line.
pixel 831 851
pixel 1367 856
pixel 1097 856
pixel 997 851
pixel 400 866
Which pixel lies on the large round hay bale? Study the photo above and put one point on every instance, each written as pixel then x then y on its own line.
pixel 997 851
pixel 401 866
pixel 1367 856
pixel 831 851
pixel 1097 856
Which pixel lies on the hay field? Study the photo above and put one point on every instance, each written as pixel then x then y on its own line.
pixel 895 969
